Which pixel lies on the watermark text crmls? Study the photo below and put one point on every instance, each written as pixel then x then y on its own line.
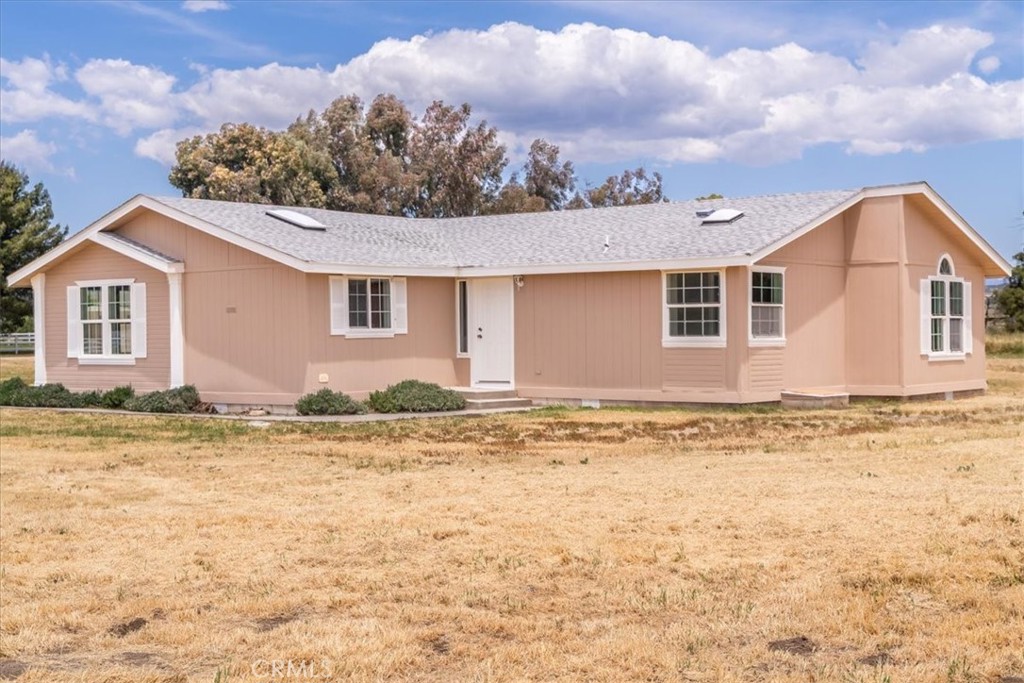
pixel 292 669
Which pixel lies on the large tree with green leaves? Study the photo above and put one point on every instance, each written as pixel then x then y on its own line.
pixel 381 159
pixel 27 231
pixel 1010 297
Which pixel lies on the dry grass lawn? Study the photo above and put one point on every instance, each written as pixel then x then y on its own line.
pixel 563 545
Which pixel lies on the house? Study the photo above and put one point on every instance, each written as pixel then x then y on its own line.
pixel 870 292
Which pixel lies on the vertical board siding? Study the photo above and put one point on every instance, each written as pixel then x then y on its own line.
pixel 590 330
pixel 94 262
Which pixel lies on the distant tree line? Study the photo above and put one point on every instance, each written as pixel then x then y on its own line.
pixel 380 159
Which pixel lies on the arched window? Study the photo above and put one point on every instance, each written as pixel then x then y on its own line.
pixel 945 313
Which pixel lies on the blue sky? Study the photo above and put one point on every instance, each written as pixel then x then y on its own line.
pixel 736 98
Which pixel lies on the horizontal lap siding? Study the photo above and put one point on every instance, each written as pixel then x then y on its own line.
pixel 94 262
pixel 766 369
pixel 694 368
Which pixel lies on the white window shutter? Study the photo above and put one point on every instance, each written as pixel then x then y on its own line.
pixel 74 322
pixel 339 305
pixel 968 332
pixel 399 306
pixel 926 317
pixel 139 320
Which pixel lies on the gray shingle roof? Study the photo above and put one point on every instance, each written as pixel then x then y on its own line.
pixel 141 247
pixel 670 231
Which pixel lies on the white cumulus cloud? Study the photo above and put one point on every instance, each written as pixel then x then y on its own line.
pixel 602 94
pixel 26 149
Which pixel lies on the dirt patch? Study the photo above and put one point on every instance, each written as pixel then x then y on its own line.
pixel 1012 679
pixel 439 644
pixel 877 659
pixel 11 669
pixel 270 623
pixel 801 645
pixel 123 629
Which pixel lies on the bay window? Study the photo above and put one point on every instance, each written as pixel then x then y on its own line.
pixel 767 313
pixel 694 309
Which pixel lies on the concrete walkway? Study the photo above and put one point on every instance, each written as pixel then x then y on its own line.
pixel 266 420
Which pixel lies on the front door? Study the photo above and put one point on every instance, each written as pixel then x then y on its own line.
pixel 490 332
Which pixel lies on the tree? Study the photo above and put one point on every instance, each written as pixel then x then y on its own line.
pixel 382 160
pixel 547 177
pixel 27 231
pixel 708 197
pixel 1010 298
pixel 632 187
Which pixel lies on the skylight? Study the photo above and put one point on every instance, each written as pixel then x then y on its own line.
pixel 296 218
pixel 722 216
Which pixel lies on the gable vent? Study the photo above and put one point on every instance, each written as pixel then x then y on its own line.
pixel 721 216
pixel 295 218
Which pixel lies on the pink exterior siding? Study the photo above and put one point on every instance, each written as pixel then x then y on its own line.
pixel 259 332
pixel 93 262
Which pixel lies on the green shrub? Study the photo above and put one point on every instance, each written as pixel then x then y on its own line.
pixel 327 402
pixel 415 397
pixel 9 388
pixel 116 397
pixel 14 392
pixel 180 400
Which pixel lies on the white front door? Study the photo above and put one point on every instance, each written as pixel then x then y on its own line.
pixel 490 332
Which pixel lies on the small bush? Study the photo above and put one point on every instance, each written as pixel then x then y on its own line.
pixel 327 402
pixel 180 400
pixel 14 392
pixel 116 397
pixel 415 397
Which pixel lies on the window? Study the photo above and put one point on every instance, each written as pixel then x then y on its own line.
pixel 945 313
pixel 368 306
pixel 462 317
pixel 694 309
pixel 767 315
pixel 106 321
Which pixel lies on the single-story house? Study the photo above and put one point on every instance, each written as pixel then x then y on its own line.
pixel 870 292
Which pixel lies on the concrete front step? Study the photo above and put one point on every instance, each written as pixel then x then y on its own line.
pixel 498 402
pixel 473 393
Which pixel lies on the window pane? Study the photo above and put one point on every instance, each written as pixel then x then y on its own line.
pixel 766 321
pixel 120 338
pixel 937 341
pixel 956 337
pixel 945 268
pixel 91 306
pixel 92 338
pixel 380 304
pixel 711 328
pixel 956 298
pixel 694 329
pixel 938 297
pixel 358 307
pixel 691 280
pixel 119 302
pixel 463 317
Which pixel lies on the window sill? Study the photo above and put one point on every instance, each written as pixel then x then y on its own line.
pixel 766 341
pixel 106 360
pixel 945 357
pixel 364 334
pixel 694 343
pixel 462 355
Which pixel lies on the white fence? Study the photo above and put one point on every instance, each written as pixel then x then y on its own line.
pixel 18 342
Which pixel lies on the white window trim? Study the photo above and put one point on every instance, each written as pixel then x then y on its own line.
pixel 105 358
pixel 765 341
pixel 670 342
pixel 459 353
pixel 967 317
pixel 398 300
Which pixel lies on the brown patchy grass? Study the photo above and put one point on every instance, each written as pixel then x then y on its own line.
pixel 563 545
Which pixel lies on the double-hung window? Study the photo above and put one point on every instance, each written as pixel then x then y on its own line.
pixel 106 321
pixel 694 309
pixel 368 306
pixel 945 313
pixel 767 313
